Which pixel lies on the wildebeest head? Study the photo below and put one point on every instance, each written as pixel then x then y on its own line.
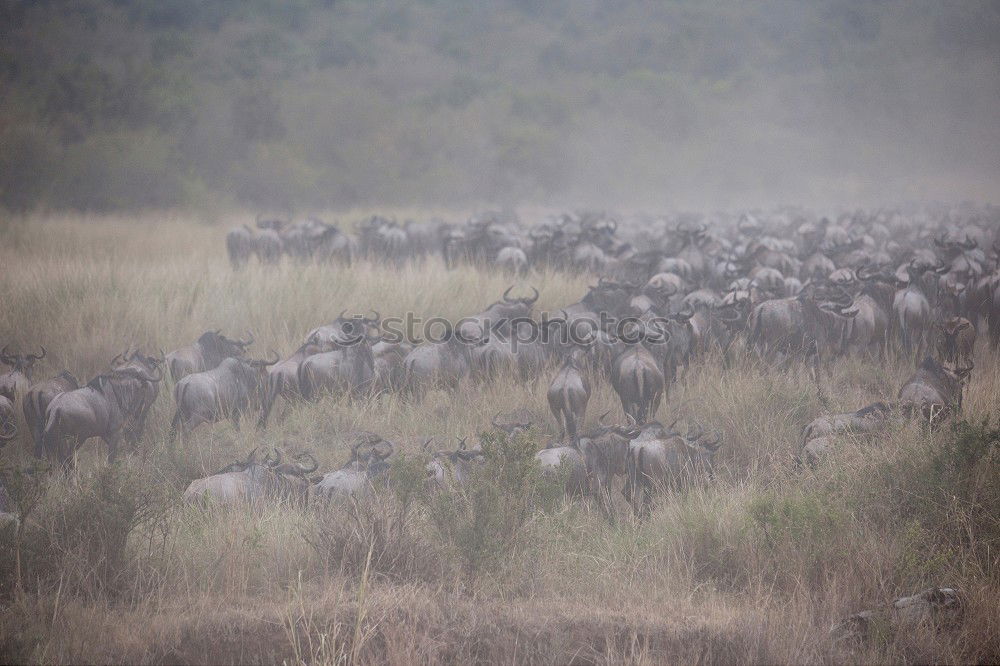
pixel 137 359
pixel 22 363
pixel 346 331
pixel 609 296
pixel 216 347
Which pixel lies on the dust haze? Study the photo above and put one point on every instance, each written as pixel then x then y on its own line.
pixel 604 104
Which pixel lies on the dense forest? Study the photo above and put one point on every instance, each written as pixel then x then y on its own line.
pixel 127 104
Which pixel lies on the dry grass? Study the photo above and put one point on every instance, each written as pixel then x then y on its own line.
pixel 754 567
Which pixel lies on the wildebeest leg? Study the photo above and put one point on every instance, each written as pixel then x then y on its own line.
pixel 175 424
pixel 112 442
pixel 655 406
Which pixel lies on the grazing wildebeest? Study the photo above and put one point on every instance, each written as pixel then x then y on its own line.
pixel 102 408
pixel 8 424
pixel 237 385
pixel 207 352
pixel 568 396
pixel 15 382
pixel 638 381
pixel 934 390
pixel 957 340
pixel 660 459
pixel 252 482
pixel 36 402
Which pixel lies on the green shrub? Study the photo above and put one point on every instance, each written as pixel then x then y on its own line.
pixel 486 521
pixel 80 532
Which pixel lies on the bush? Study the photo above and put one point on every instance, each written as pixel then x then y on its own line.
pixel 378 535
pixel 80 537
pixel 486 521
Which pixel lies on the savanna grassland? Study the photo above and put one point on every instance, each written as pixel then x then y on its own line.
pixel 108 565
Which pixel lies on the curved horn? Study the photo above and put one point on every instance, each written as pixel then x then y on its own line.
pixel 277 457
pixel 5 357
pixel 532 299
pixel 461 444
pixel 600 419
pixel 377 318
pixel 246 343
pixel 38 357
pixel 506 294
pixel 251 458
pixel 118 356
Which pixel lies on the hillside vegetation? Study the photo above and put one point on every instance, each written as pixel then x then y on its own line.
pixel 301 104
pixel 754 566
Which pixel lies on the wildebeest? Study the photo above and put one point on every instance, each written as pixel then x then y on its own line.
pixel 16 381
pixel 798 325
pixel 207 352
pixel 604 448
pixel 456 466
pixel 8 424
pixel 497 317
pixel 237 385
pixel 102 408
pixel 957 340
pixel 660 459
pixel 934 390
pixel 912 314
pixel 638 381
pixel 818 434
pixel 566 464
pixel 568 395
pixel 252 482
pixel 356 477
pixel 282 377
pixel 149 390
pixel 240 245
pixel 348 367
pixel 36 401
pixel 440 364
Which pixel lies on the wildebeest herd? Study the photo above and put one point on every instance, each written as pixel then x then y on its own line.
pixel 781 288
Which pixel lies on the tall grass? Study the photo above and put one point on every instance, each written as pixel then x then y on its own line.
pixel 755 566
